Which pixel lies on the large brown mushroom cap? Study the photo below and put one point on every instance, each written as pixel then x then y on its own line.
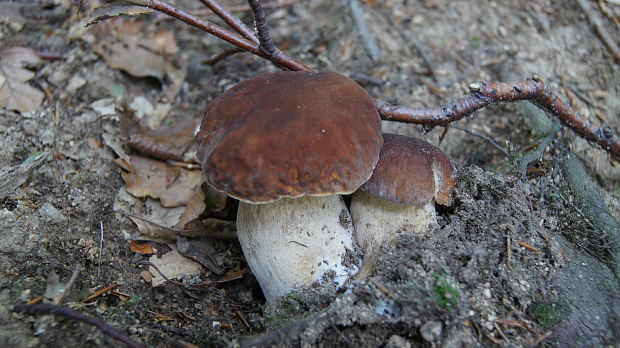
pixel 289 134
pixel 412 171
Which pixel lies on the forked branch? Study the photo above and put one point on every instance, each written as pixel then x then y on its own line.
pixel 482 94
pixel 230 19
pixel 248 45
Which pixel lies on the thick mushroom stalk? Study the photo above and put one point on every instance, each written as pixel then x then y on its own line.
pixel 286 144
pixel 400 196
pixel 291 243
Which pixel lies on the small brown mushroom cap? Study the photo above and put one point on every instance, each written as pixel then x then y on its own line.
pixel 289 134
pixel 412 171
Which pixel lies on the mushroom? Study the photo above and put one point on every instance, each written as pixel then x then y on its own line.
pixel 399 197
pixel 286 145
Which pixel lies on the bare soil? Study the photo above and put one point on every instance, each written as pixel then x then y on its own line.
pixel 515 262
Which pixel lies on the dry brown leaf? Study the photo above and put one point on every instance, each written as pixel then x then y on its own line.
pixel 114 10
pixel 162 42
pixel 15 92
pixel 168 217
pixel 174 186
pixel 141 247
pixel 11 178
pixel 127 51
pixel 234 274
pixel 132 59
pixel 194 208
pixel 151 230
pixel 168 142
pixel 209 228
pixel 147 276
pixel 174 266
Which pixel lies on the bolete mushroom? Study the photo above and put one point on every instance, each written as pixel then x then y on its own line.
pixel 286 145
pixel 399 197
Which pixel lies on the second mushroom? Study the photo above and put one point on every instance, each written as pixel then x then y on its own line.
pixel 400 196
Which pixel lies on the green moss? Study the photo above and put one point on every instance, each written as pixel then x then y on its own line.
pixel 546 313
pixel 447 294
pixel 35 284
pixel 203 341
pixel 135 302
pixel 281 314
pixel 475 41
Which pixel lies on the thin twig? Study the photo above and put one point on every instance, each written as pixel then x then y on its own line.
pixel 100 247
pixel 483 137
pixel 541 338
pixel 61 299
pixel 230 19
pixel 281 59
pixel 539 151
pixel 191 252
pixel 483 94
pixel 220 56
pixel 246 8
pixel 596 21
pixel 370 43
pixel 413 43
pixel 99 293
pixel 47 308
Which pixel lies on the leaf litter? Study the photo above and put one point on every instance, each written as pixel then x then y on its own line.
pixel 127 45
pixel 174 266
pixel 15 92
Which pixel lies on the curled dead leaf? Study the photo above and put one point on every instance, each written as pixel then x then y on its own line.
pixel 131 52
pixel 114 10
pixel 15 92
pixel 210 228
pixel 170 142
pixel 174 186
pixel 174 266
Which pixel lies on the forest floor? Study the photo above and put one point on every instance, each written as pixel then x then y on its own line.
pixel 516 261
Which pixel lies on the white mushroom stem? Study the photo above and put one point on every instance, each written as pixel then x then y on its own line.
pixel 378 221
pixel 293 242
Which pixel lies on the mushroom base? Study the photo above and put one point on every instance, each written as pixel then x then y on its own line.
pixel 293 242
pixel 378 221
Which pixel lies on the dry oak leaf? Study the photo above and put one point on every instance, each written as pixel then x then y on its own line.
pixel 174 266
pixel 173 186
pixel 168 142
pixel 128 51
pixel 15 92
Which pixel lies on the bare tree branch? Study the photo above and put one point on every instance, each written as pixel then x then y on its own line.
pixel 230 19
pixel 281 59
pixel 483 94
